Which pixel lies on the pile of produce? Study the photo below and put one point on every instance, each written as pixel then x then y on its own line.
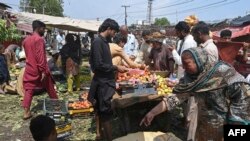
pixel 136 76
pixel 80 105
pixel 61 87
pixel 162 85
pixel 83 103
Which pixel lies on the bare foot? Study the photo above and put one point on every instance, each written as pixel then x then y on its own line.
pixel 27 116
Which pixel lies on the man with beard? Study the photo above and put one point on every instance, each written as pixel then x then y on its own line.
pixel 186 41
pixel 102 86
pixel 37 74
pixel 201 36
pixel 160 54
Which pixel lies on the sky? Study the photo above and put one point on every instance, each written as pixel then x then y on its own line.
pixel 174 10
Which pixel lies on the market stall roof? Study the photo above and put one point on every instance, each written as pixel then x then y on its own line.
pixel 242 21
pixel 236 32
pixel 64 23
pixel 4 5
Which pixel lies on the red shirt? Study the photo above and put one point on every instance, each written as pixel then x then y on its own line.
pixel 36 62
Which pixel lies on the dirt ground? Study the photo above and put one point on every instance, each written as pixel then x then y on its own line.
pixel 14 128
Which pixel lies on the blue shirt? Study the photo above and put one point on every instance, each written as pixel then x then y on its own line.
pixel 131 47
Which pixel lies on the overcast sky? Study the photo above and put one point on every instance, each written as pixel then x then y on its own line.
pixel 174 10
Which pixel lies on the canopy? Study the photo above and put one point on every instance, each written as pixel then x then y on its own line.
pixel 64 23
pixel 236 32
pixel 241 21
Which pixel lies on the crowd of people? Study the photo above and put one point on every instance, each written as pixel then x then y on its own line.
pixel 213 90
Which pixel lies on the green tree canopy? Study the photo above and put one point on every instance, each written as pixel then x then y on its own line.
pixel 162 21
pixel 51 7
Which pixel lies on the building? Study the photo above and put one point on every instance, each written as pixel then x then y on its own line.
pixel 3 7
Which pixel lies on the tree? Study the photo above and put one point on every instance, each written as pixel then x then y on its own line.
pixel 48 7
pixel 24 6
pixel 162 21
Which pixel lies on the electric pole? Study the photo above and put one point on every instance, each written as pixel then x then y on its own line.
pixel 125 7
pixel 149 12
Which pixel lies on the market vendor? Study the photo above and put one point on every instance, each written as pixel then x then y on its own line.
pixel 222 96
pixel 37 75
pixel 102 86
pixel 119 57
pixel 71 60
pixel 160 54
pixel 145 48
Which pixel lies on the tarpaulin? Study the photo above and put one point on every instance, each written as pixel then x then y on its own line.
pixel 228 50
pixel 236 32
pixel 64 23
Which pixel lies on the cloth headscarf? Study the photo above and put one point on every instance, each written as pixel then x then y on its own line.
pixel 209 77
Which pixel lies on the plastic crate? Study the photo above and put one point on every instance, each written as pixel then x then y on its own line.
pixel 81 113
pixel 139 89
pixel 56 109
pixel 64 130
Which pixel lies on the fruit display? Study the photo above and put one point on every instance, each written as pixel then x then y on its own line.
pixel 134 77
pixel 161 86
pixel 79 105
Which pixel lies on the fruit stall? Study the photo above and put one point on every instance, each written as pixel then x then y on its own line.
pixel 139 90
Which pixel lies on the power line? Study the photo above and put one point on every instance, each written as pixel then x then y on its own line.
pixel 198 8
pixel 162 7
pixel 190 9
pixel 176 4
pixel 142 2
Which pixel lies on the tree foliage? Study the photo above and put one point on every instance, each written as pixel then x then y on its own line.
pixel 8 31
pixel 51 7
pixel 162 21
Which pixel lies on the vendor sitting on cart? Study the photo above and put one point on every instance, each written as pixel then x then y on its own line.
pixel 160 54
pixel 119 57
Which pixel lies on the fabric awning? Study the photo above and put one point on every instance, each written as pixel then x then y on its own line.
pixel 63 23
pixel 236 32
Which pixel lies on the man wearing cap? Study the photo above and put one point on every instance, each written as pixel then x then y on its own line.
pixel 160 54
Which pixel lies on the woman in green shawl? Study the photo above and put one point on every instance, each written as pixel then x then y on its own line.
pixel 219 95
